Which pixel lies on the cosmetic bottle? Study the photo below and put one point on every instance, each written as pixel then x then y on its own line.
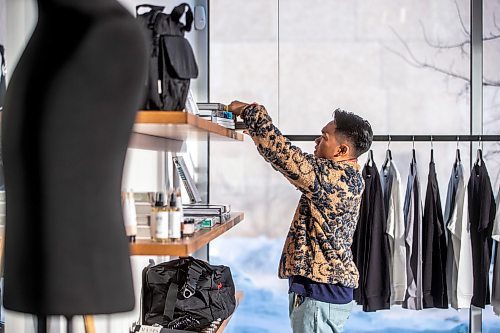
pixel 178 205
pixel 189 227
pixel 154 209
pixel 174 217
pixel 129 215
pixel 161 219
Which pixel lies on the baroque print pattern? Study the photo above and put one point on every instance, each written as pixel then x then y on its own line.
pixel 318 245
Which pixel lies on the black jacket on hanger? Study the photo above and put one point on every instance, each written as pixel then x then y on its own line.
pixel 371 246
pixel 481 216
pixel 433 247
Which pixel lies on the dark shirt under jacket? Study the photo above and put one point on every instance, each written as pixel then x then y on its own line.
pixel 481 216
pixel 323 292
pixel 371 246
pixel 433 247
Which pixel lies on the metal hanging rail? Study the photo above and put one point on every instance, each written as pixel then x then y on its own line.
pixel 410 138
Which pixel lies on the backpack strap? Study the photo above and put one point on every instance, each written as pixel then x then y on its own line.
pixel 177 13
pixel 157 8
pixel 2 54
pixel 193 275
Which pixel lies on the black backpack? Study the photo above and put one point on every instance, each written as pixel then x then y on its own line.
pixel 3 85
pixel 171 59
pixel 187 294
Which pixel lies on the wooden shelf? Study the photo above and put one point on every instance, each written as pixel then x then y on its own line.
pixel 180 126
pixel 184 246
pixel 239 298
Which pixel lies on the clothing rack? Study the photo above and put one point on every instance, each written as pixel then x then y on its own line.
pixel 475 313
pixel 410 138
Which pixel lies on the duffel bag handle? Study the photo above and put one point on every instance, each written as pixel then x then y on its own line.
pixel 177 13
pixel 171 300
pixel 188 290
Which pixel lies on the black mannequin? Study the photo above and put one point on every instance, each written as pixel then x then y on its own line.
pixel 69 112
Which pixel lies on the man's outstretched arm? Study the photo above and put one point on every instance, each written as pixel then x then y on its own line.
pixel 298 167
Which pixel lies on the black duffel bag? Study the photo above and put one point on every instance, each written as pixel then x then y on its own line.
pixel 187 294
pixel 172 63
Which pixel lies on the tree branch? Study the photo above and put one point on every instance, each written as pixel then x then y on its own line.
pixel 415 62
pixel 460 45
pixel 490 83
pixel 491 37
pixel 464 29
pixel 439 46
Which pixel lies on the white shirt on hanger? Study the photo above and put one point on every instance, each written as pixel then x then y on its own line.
pixel 396 232
pixel 460 231
pixel 495 234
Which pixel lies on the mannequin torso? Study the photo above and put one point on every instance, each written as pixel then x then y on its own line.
pixel 69 112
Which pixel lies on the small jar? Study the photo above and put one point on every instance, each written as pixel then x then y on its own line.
pixel 188 229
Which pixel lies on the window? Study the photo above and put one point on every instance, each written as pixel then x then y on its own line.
pixel 404 66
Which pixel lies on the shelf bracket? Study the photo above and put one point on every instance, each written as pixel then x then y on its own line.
pixel 150 142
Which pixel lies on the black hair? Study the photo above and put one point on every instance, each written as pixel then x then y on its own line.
pixel 355 129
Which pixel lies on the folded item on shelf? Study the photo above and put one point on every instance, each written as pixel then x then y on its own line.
pixel 210 209
pixel 154 329
pixel 212 106
pixel 217 114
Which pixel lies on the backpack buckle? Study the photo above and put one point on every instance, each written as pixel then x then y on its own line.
pixel 187 290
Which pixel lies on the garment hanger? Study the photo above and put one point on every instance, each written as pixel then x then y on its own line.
pixel 432 151
pixel 457 156
pixel 479 159
pixel 414 157
pixel 370 162
pixel 458 160
pixel 388 155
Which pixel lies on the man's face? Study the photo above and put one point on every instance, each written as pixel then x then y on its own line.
pixel 327 145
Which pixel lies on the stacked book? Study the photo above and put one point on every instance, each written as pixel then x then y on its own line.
pixel 220 213
pixel 217 113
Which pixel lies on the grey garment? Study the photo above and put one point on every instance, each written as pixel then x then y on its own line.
pixel 456 177
pixel 495 288
pixel 391 185
pixel 386 178
pixel 413 235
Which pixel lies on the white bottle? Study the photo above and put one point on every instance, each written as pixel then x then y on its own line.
pixel 174 217
pixel 161 220
pixel 129 215
pixel 178 204
pixel 154 209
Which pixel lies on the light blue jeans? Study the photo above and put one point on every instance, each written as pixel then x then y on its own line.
pixel 308 315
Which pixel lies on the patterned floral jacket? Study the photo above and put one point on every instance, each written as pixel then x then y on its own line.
pixel 318 245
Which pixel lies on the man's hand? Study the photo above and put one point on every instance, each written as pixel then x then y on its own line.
pixel 236 107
